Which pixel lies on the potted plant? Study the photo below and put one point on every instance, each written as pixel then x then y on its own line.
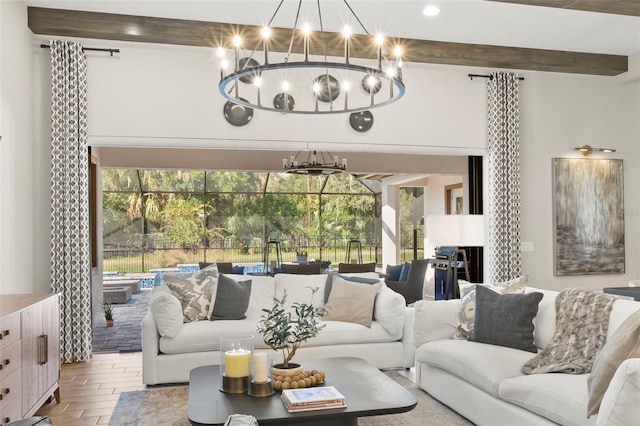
pixel 301 255
pixel 108 312
pixel 286 331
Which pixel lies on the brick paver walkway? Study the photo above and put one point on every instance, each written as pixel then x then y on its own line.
pixel 126 333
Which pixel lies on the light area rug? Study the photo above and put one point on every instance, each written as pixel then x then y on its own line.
pixel 167 405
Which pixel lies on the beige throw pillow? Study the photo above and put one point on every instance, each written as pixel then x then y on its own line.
pixel 351 302
pixel 466 315
pixel 624 343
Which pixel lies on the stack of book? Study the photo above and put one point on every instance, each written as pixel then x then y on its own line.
pixel 305 399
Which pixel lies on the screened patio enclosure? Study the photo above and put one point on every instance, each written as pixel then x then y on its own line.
pixel 159 218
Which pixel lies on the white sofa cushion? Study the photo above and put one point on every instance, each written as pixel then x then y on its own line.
pixel 620 405
pixel 559 397
pixel 202 336
pixel 434 320
pixel 298 288
pixel 191 337
pixel 482 365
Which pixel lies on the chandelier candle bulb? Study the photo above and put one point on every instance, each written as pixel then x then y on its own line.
pixel 379 42
pixel 347 33
pixel 266 33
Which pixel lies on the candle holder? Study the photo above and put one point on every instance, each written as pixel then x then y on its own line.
pixel 261 381
pixel 235 363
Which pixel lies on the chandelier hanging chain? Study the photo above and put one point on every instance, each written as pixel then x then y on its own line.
pixel 293 31
pixel 324 53
pixel 356 16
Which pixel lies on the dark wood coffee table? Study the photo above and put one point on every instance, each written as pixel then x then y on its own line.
pixel 367 391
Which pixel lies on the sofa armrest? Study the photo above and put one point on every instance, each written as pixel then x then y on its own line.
pixel 620 402
pixel 407 339
pixel 434 320
pixel 150 349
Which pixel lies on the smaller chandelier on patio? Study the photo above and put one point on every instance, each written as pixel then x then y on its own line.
pixel 308 76
pixel 315 165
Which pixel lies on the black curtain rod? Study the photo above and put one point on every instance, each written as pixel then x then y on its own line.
pixel 490 77
pixel 92 49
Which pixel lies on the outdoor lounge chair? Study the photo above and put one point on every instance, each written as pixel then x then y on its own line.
pixel 346 268
pixel 412 288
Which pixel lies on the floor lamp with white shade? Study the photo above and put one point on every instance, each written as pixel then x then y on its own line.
pixel 449 233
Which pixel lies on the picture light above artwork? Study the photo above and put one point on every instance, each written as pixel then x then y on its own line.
pixel 586 150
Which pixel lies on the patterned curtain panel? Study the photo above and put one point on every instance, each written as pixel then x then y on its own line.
pixel 503 234
pixel 70 256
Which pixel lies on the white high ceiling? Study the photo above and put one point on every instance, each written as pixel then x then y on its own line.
pixel 464 21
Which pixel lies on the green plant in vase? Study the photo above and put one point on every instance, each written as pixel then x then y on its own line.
pixel 107 308
pixel 287 331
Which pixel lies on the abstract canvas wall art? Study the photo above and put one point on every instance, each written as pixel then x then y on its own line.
pixel 588 216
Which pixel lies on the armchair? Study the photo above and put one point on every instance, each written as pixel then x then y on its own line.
pixel 411 290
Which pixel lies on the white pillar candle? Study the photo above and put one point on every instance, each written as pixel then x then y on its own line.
pixel 260 369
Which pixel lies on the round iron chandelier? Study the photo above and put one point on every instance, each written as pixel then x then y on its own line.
pixel 316 164
pixel 310 81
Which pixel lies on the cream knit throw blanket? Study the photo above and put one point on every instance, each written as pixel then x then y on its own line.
pixel 582 320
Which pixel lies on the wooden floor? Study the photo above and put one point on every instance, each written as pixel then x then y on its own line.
pixel 89 390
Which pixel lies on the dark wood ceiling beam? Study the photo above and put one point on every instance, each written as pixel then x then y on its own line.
pixel 105 26
pixel 616 7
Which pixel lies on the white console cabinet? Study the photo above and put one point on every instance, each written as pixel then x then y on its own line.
pixel 29 353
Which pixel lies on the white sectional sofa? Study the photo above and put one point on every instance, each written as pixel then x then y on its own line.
pixel 484 382
pixel 386 344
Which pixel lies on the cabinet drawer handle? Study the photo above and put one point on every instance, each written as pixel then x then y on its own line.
pixel 3 393
pixel 44 349
pixel 4 363
pixel 4 333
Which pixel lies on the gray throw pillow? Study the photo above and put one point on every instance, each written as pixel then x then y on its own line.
pixel 505 319
pixel 231 299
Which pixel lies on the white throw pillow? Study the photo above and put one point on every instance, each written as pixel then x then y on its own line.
pixel 389 310
pixel 434 320
pixel 299 289
pixel 464 330
pixel 167 312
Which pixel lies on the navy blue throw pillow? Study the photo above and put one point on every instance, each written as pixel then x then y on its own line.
pixel 404 274
pixel 393 272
